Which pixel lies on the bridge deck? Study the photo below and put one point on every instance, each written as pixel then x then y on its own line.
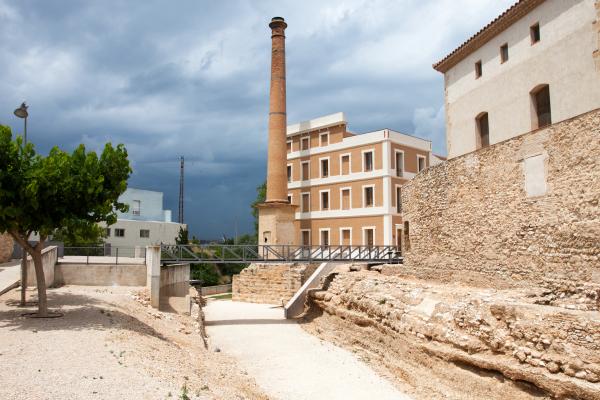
pixel 278 253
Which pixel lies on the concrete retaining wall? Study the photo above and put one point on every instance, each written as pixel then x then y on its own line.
pixel 174 288
pixel 218 289
pixel 100 274
pixel 49 257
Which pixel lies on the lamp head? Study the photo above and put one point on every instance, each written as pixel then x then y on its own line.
pixel 21 112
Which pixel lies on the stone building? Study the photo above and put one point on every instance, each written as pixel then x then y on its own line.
pixel 536 64
pixel 517 202
pixel 347 186
pixel 6 247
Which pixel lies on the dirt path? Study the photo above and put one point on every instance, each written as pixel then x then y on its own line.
pixel 109 346
pixel 286 361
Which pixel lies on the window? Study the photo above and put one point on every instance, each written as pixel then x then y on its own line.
pixel 324 167
pixel 306 237
pixel 534 32
pixel 399 160
pixel 483 131
pixel 421 165
pixel 540 97
pixel 504 53
pixel 289 146
pixel 305 202
pixel 325 200
pixel 345 236
pixel 345 164
pixel 136 207
pixel 368 199
pixel 324 138
pixel 289 198
pixel 119 232
pixel 406 236
pixel 398 199
pixel 369 237
pixel 144 233
pixel 107 232
pixel 305 143
pixel 289 173
pixel 305 171
pixel 478 69
pixel 346 204
pixel 324 237
pixel 368 161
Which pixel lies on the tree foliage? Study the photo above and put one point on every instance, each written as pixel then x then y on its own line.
pixel 42 194
pixel 261 196
pixel 80 233
pixel 182 237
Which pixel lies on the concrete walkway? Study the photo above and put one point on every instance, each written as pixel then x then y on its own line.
pixel 10 275
pixel 286 361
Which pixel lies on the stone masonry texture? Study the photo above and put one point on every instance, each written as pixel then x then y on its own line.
pixel 270 283
pixel 470 219
pixel 6 247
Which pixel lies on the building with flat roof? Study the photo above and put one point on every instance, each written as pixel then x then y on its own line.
pixel 347 186
pixel 145 223
pixel 536 64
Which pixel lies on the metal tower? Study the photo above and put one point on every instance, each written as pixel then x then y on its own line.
pixel 181 190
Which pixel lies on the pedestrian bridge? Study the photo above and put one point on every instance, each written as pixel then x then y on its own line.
pixel 251 253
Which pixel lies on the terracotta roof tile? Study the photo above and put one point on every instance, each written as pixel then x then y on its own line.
pixel 499 24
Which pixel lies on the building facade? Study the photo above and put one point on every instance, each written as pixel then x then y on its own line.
pixel 536 64
pixel 346 186
pixel 145 223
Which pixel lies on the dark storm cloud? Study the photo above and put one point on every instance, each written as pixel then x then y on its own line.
pixel 191 78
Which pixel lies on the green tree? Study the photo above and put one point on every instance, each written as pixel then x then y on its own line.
pixel 261 196
pixel 42 194
pixel 182 237
pixel 80 233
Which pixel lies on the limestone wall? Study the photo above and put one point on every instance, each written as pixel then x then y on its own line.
pixel 6 247
pixel 270 283
pixel 524 210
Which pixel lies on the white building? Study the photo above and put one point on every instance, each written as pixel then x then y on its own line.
pixel 145 223
pixel 538 63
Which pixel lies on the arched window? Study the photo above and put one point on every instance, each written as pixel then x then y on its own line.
pixel 483 130
pixel 541 110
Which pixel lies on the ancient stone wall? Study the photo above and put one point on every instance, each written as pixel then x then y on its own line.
pixel 442 338
pixel 521 211
pixel 6 247
pixel 270 283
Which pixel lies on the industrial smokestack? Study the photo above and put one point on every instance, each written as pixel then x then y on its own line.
pixel 277 151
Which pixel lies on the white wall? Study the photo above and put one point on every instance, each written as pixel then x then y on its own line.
pixel 160 232
pixel 151 205
pixel 562 59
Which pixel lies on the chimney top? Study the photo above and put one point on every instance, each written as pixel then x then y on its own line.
pixel 277 22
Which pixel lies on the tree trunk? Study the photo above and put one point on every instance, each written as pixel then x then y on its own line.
pixel 24 278
pixel 41 281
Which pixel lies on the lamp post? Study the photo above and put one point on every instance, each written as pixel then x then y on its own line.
pixel 21 112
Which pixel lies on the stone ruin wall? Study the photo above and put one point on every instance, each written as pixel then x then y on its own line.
pixel 471 220
pixel 270 283
pixel 6 247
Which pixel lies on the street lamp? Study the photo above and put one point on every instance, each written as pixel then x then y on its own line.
pixel 21 112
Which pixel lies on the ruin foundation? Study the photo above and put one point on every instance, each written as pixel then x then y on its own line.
pixel 6 247
pixel 450 341
pixel 270 283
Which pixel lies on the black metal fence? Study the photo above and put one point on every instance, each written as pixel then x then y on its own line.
pixel 108 253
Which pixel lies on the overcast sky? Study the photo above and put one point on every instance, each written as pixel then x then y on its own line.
pixel 191 78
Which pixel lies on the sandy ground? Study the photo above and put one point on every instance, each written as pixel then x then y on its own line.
pixel 286 361
pixel 109 346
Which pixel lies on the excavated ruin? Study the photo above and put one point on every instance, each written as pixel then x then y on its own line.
pixel 443 340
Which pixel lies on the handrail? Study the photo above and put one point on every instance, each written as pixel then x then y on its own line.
pixel 248 253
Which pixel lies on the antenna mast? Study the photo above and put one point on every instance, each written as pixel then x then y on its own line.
pixel 181 190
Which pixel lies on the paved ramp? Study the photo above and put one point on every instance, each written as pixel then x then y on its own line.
pixel 10 275
pixel 286 361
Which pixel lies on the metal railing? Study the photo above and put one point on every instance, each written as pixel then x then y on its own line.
pixel 242 253
pixel 103 254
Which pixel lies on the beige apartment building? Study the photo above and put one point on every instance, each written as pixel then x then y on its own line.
pixel 536 64
pixel 347 186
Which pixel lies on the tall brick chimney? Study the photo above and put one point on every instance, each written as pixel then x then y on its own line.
pixel 276 215
pixel 277 152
